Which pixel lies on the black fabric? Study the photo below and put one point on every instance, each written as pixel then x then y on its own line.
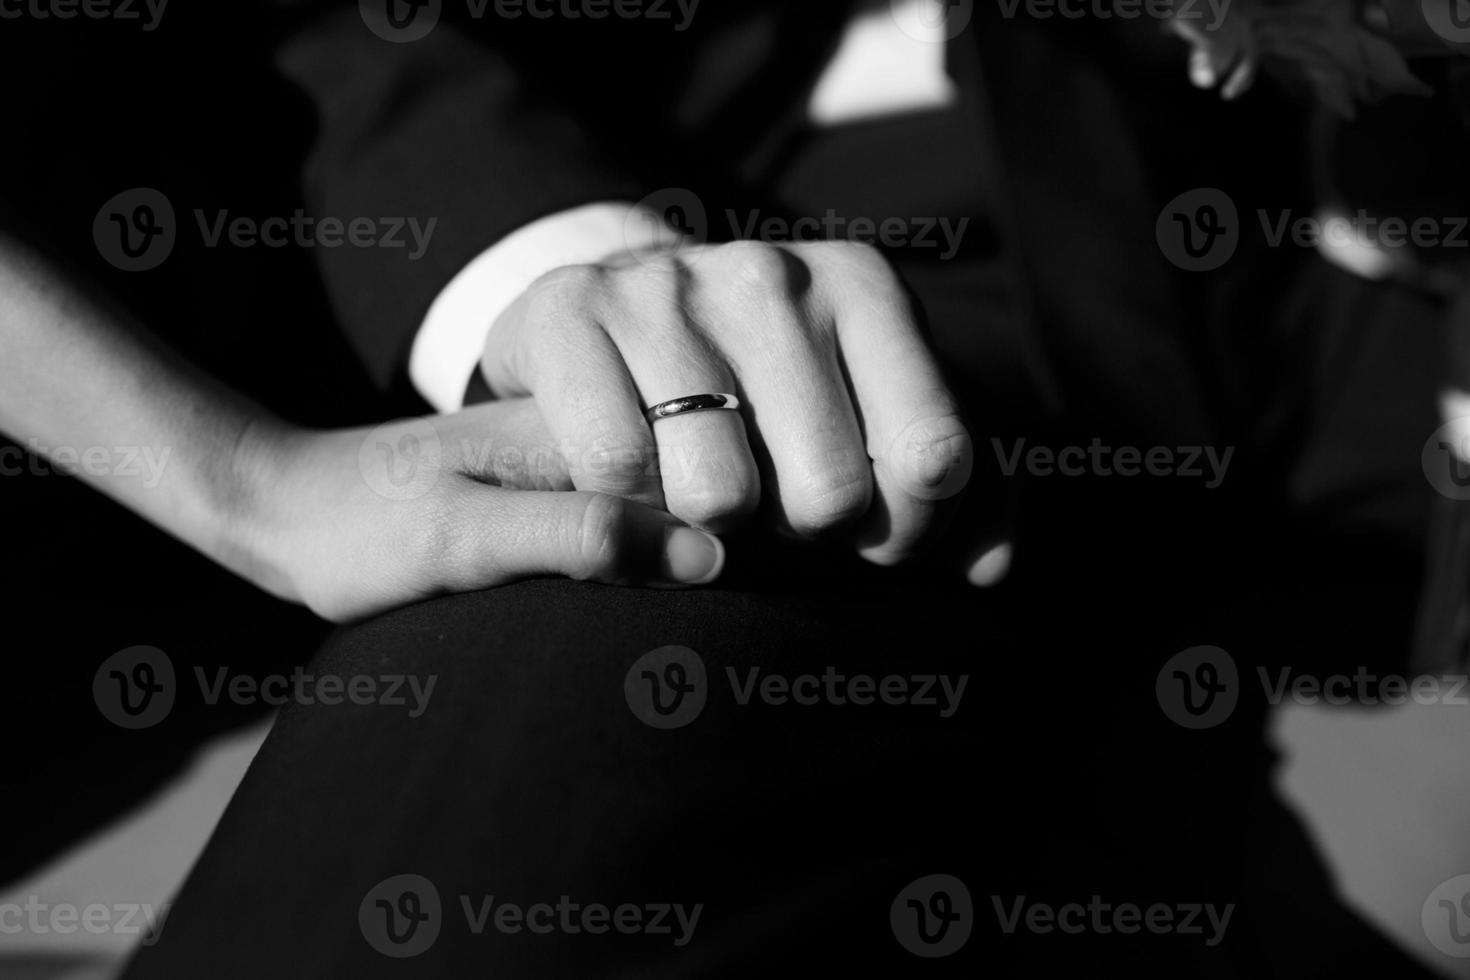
pixel 1058 778
pixel 529 777
pixel 488 123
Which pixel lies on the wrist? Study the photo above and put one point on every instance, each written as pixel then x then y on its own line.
pixel 254 508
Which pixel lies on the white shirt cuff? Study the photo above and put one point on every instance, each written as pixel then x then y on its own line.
pixel 450 341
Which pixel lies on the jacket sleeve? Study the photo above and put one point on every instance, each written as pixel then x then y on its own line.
pixel 450 129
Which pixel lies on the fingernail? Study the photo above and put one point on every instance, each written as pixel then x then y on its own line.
pixel 1201 72
pixel 692 557
pixel 990 566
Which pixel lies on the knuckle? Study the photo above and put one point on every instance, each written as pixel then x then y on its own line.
pixel 600 541
pixel 654 311
pixel 934 455
pixel 872 282
pixel 619 463
pixel 859 271
pixel 548 320
pixel 655 267
pixel 565 291
pixel 759 267
pixel 859 257
pixel 830 501
pixel 714 505
pixel 852 250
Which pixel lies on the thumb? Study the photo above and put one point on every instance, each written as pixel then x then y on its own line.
pixel 491 536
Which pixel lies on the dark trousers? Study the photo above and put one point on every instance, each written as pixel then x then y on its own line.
pixel 808 834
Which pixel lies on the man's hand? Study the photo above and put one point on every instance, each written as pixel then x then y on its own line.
pixel 846 422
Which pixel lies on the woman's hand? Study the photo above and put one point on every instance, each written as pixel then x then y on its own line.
pixel 358 521
pixel 349 522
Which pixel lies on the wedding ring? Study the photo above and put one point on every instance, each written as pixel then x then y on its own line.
pixel 691 403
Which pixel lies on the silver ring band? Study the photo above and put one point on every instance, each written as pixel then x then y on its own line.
pixel 691 403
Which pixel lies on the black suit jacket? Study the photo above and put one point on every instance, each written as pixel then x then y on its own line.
pixel 1062 319
pixel 1083 132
